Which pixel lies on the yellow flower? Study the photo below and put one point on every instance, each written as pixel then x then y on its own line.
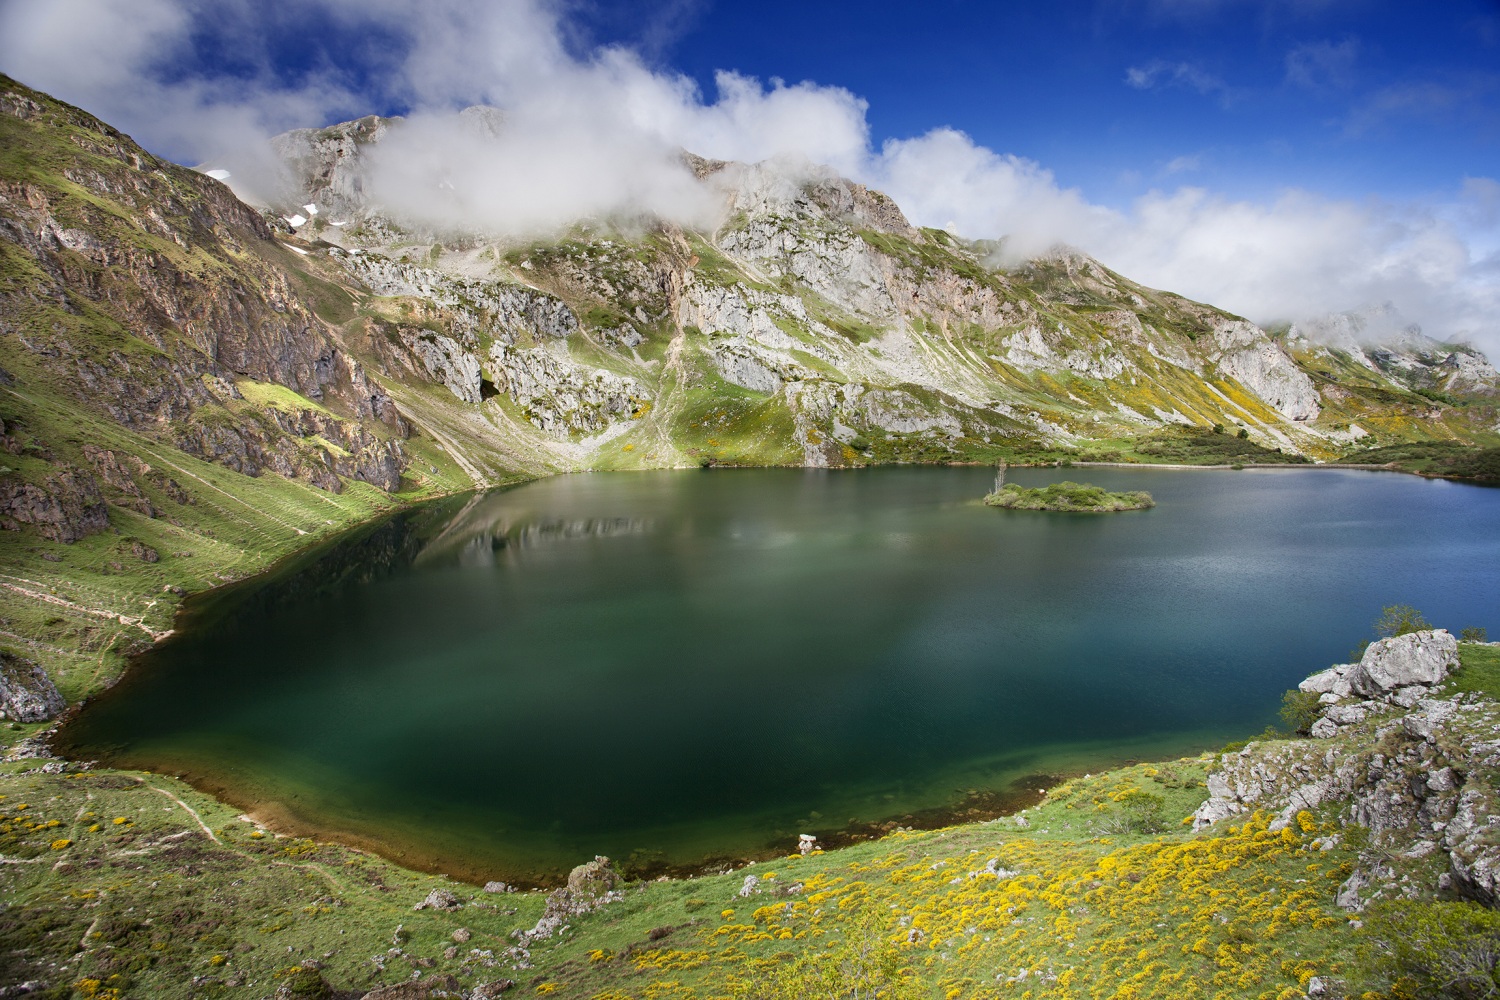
pixel 58 845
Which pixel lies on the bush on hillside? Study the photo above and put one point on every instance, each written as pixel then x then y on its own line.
pixel 1299 710
pixel 1431 950
pixel 1400 619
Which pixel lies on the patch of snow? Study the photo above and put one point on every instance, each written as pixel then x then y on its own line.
pixel 295 220
pixel 311 210
pixel 295 249
pixel 218 175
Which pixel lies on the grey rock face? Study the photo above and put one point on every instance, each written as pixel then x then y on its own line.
pixel 27 694
pixel 445 361
pixel 1334 681
pixel 66 507
pixel 1262 366
pixel 327 164
pixel 476 308
pixel 561 396
pixel 439 899
pixel 1417 658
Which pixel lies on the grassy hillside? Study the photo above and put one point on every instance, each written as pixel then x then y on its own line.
pixel 188 395
pixel 1091 898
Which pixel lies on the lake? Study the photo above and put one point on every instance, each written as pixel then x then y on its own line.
pixel 676 667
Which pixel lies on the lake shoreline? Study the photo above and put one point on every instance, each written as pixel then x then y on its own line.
pixel 395 853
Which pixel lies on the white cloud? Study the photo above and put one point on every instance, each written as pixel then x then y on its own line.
pixel 598 133
pixel 1297 256
pixel 1322 65
pixel 1159 73
pixel 1182 164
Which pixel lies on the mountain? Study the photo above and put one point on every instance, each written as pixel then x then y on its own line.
pixel 815 325
pixel 213 384
pixel 192 389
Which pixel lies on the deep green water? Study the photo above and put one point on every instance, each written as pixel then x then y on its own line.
pixel 682 665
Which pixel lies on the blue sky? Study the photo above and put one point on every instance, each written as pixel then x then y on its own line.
pixel 1283 159
pixel 1349 98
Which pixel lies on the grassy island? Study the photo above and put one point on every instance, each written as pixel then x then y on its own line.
pixel 1068 496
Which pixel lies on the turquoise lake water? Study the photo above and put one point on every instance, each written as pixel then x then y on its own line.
pixel 674 667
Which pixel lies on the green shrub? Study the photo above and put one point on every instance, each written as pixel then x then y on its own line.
pixel 1299 710
pixel 1400 619
pixel 1068 496
pixel 1204 446
pixel 1474 635
pixel 1436 458
pixel 1431 950
pixel 1139 812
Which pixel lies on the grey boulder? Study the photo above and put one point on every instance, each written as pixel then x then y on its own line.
pixel 27 694
pixel 1400 661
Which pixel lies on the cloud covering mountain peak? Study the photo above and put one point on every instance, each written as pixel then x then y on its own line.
pixel 598 131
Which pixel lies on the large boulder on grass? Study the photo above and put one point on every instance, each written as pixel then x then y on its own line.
pixel 1424 658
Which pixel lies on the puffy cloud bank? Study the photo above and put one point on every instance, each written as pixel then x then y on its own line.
pixel 597 131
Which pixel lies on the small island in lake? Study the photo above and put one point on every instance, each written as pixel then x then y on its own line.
pixel 1068 496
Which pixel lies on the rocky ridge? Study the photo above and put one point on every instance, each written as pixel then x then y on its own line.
pixel 27 694
pixel 820 299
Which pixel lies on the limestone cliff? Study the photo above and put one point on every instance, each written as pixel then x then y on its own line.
pixel 833 330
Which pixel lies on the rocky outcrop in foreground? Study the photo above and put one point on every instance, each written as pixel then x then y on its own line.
pixel 27 694
pixel 1395 755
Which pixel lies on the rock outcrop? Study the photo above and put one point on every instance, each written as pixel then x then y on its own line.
pixel 1247 355
pixel 561 396
pixel 65 507
pixel 27 694
pixel 1415 769
pixel 1400 670
pixel 590 886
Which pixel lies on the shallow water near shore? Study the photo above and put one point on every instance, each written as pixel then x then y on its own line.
pixel 676 667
